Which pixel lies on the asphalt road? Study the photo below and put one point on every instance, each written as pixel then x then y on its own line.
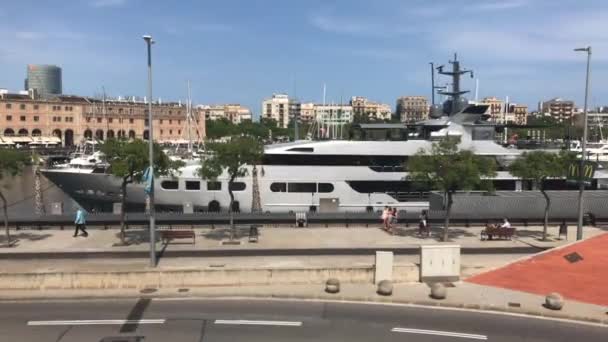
pixel 178 320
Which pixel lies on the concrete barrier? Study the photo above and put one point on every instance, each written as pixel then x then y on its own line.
pixel 173 278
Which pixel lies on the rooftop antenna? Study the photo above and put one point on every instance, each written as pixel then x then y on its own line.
pixel 476 89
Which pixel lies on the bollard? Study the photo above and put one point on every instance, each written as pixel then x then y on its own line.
pixel 332 285
pixel 554 301
pixel 385 288
pixel 438 291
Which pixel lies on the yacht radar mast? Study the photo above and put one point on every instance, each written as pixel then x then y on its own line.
pixel 456 92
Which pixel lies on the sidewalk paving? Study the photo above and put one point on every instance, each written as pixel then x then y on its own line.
pixel 41 241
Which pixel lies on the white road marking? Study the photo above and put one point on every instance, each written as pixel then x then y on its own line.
pixel 439 333
pixel 246 322
pixel 99 322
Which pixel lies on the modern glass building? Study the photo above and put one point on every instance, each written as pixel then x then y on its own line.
pixel 45 79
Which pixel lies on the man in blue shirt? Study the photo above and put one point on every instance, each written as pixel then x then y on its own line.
pixel 80 222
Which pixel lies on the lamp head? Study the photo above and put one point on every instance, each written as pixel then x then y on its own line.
pixel 587 49
pixel 147 38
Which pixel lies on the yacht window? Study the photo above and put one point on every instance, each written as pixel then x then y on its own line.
pixel 214 186
pixel 278 187
pixel 193 185
pixel 238 186
pixel 302 187
pixel 302 149
pixel 169 185
pixel 326 187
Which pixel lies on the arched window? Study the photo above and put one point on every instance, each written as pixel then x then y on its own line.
pixel 110 134
pixel 57 133
pixel 36 132
pixel 99 134
pixel 88 134
pixel 131 134
pixel 23 132
pixel 9 132
pixel 146 135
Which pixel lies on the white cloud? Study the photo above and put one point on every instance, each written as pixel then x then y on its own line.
pixel 108 3
pixel 357 26
pixel 499 5
pixel 29 35
pixel 212 27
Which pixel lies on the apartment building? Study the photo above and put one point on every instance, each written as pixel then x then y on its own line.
pixel 412 108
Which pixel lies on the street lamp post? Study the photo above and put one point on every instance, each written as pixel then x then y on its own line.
pixel 579 227
pixel 149 43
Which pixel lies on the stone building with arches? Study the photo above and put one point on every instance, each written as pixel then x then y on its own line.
pixel 73 119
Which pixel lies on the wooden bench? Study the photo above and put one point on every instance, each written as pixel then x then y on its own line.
pixel 501 233
pixel 168 235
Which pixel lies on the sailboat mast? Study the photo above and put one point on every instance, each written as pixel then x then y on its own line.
pixel 189 118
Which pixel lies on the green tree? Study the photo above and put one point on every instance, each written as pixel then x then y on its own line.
pixel 231 157
pixel 448 169
pixel 128 160
pixel 12 163
pixel 538 166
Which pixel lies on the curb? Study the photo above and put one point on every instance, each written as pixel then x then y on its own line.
pixel 257 252
pixel 376 300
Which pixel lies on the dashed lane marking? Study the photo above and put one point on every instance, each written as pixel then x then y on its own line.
pixel 439 333
pixel 98 322
pixel 246 322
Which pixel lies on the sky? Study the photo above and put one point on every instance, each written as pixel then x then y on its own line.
pixel 244 51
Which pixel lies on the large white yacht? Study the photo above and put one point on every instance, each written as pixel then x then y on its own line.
pixel 366 172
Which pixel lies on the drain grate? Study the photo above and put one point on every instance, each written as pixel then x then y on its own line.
pixel 148 290
pixel 183 290
pixel 514 305
pixel 573 257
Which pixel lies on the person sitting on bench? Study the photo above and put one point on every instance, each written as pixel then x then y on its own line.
pixel 505 223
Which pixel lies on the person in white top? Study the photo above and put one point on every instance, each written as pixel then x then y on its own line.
pixel 505 223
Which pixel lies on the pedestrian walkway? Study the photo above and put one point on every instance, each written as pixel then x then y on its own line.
pixel 99 240
pixel 578 271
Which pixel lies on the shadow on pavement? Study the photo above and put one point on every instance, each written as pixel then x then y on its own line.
pixel 16 237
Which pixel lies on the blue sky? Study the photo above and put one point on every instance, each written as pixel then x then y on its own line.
pixel 243 51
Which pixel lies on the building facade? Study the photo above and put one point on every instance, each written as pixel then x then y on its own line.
pixel 44 79
pixel 412 108
pixel 559 109
pixel 307 112
pixel 333 113
pixel 277 108
pixel 73 119
pixel 364 108
pixel 234 113
pixel 519 114
pixel 497 110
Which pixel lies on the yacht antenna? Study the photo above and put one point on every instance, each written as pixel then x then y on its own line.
pixel 476 89
pixel 455 74
pixel 103 105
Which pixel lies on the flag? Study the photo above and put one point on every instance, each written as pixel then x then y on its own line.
pixel 148 179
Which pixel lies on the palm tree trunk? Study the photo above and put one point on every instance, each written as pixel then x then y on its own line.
pixel 546 218
pixel 5 212
pixel 446 223
pixel 230 211
pixel 123 205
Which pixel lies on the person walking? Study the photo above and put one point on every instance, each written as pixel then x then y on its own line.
pixel 384 217
pixel 80 222
pixel 392 221
pixel 423 225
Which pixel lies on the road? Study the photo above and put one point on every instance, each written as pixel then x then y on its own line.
pixel 178 320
